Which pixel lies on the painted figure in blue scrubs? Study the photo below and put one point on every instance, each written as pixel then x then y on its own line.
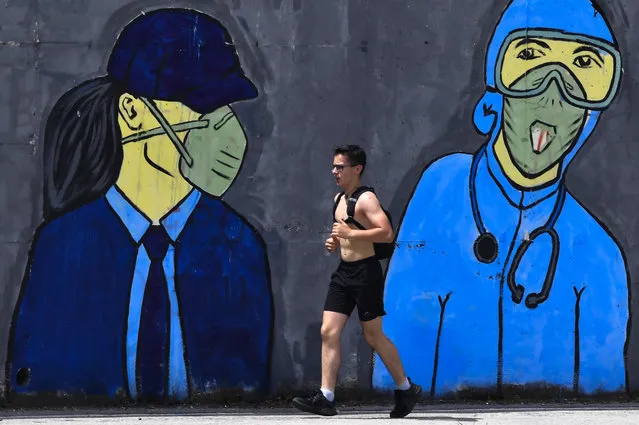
pixel 142 283
pixel 516 282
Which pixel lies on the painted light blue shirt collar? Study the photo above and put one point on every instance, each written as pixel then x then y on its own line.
pixel 137 224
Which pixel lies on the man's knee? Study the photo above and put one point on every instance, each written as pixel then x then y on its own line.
pixel 332 326
pixel 330 333
pixel 374 336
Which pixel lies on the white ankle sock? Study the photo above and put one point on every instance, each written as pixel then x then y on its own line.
pixel 330 396
pixel 404 385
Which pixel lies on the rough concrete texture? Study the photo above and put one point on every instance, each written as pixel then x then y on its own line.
pixel 593 416
pixel 399 78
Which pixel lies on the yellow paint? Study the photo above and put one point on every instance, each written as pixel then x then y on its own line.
pixel 501 152
pixel 595 73
pixel 152 191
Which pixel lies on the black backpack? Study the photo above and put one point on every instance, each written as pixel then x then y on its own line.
pixel 383 249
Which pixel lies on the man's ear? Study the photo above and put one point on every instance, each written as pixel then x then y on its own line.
pixel 129 108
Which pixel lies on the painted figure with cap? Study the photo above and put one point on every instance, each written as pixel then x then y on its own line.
pixel 517 284
pixel 142 282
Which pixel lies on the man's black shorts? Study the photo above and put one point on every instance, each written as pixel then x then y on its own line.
pixel 358 283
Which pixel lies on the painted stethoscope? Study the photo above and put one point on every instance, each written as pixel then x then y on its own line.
pixel 486 246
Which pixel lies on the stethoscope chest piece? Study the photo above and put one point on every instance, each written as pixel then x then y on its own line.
pixel 486 247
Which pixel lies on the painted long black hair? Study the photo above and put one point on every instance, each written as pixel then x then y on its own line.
pixel 82 146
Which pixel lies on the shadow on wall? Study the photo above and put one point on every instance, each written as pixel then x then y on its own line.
pixel 151 287
pixel 514 269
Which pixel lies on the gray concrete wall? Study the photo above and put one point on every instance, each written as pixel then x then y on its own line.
pixel 400 78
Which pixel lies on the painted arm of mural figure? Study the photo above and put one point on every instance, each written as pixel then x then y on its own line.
pixel 246 348
pixel 602 319
pixel 418 282
pixel 20 357
pixel 263 316
pixel 70 317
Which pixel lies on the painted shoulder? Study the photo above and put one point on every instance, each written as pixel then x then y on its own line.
pixel 444 173
pixel 587 233
pixel 93 214
pixel 213 208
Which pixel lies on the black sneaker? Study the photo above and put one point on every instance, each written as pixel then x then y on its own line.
pixel 405 400
pixel 316 403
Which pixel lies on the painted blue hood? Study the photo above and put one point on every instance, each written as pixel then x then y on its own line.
pixel 581 17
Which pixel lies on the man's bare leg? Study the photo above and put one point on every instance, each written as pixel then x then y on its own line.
pixel 332 327
pixel 387 351
pixel 407 394
pixel 321 402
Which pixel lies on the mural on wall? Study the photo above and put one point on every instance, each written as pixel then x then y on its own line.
pixel 142 282
pixel 517 282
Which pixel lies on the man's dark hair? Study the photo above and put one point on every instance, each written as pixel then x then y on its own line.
pixel 355 155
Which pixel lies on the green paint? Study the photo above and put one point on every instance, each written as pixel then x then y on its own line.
pixel 539 130
pixel 217 152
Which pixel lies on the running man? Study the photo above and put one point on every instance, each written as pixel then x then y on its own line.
pixel 358 281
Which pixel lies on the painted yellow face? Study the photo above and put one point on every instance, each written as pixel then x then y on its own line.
pixel 174 112
pixel 135 117
pixel 592 67
pixel 150 175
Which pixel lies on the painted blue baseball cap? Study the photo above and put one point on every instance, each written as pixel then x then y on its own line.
pixel 180 55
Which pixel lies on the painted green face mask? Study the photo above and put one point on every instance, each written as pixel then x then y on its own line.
pixel 540 129
pixel 213 149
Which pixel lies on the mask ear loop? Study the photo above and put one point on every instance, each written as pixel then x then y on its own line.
pixel 169 131
pixel 184 126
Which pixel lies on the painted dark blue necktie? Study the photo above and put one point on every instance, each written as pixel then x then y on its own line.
pixel 153 338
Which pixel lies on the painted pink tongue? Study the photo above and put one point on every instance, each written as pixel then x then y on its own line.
pixel 541 140
pixel 541 135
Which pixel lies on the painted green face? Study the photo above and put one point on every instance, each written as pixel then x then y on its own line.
pixel 217 151
pixel 540 129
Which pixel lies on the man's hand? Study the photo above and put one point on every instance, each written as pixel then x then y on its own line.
pixel 341 230
pixel 331 244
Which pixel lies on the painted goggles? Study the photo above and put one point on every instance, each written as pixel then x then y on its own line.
pixel 593 63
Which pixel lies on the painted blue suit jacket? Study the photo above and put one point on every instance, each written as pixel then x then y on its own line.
pixel 70 324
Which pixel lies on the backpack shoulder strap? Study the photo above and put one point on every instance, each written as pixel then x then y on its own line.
pixel 339 197
pixel 350 206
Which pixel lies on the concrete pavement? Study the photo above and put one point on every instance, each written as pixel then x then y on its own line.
pixel 539 415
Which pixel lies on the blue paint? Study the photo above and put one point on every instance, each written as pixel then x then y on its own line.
pixel 137 225
pixel 70 326
pixel 76 323
pixel 138 285
pixel 537 345
pixel 180 55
